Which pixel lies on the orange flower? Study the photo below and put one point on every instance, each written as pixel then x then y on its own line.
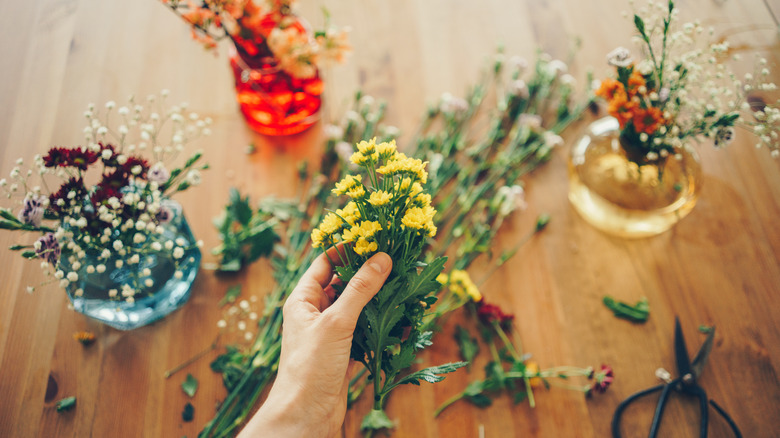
pixel 532 369
pixel 610 88
pixel 622 108
pixel 647 120
pixel 635 81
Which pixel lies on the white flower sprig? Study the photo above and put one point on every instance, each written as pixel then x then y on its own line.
pixel 126 220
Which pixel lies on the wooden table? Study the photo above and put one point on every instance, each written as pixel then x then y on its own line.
pixel 718 266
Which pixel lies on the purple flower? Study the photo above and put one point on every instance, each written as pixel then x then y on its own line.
pixel 164 215
pixel 32 211
pixel 158 173
pixel 48 248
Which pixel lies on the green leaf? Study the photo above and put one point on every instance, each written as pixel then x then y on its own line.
pixel 29 254
pixel 431 374
pixel 424 283
pixel 403 359
pixel 188 413
pixel 233 265
pixel 230 295
pixel 8 225
pixel 193 159
pixel 480 400
pixel 474 388
pixel 17 247
pixel 7 214
pixel 519 397
pixel 640 26
pixel 66 404
pixel 375 420
pixel 190 385
pixel 639 312
pixel 542 221
pixel 239 207
pixel 469 348
pixel 727 119
pixel 424 340
pixel 494 377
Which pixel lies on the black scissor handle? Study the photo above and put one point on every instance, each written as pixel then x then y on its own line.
pixel 624 404
pixel 728 419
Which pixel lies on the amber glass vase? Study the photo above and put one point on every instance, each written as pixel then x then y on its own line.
pixel 625 195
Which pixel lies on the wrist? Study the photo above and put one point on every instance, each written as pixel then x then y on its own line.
pixel 281 416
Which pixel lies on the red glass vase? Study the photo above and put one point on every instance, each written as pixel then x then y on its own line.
pixel 272 101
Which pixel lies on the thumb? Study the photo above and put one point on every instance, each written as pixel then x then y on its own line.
pixel 361 288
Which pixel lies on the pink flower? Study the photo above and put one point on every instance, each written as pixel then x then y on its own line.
pixel 604 378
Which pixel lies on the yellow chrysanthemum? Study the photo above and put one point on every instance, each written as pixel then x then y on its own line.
pixel 367 147
pixel 379 198
pixel 350 213
pixel 461 284
pixel 386 151
pixel 416 189
pixel 365 230
pixel 422 199
pixel 348 183
pixel 356 192
pixel 366 154
pixel 317 237
pixel 442 278
pixel 415 218
pixel 363 246
pixel 401 164
pixel 431 229
pixel 369 228
pixel 331 224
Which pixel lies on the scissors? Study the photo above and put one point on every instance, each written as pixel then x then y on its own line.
pixel 686 384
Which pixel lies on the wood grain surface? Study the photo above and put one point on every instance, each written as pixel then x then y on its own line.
pixel 719 266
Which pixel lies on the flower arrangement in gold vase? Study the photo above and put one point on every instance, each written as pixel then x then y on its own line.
pixel 635 173
pixel 121 248
pixel 275 57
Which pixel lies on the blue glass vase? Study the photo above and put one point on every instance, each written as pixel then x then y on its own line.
pixel 92 293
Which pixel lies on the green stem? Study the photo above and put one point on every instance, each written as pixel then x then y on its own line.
pixel 447 403
pixel 506 341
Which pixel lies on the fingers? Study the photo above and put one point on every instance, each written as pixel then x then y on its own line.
pixel 314 280
pixel 361 288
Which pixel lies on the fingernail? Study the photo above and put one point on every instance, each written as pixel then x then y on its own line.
pixel 380 263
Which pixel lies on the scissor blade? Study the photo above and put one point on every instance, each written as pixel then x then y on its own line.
pixel 680 350
pixel 704 353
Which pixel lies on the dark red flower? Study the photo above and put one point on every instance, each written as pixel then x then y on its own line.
pixel 79 158
pixel 488 313
pixel 75 185
pixel 103 192
pixel 82 158
pixel 603 378
pixel 132 162
pixel 57 157
pixel 114 181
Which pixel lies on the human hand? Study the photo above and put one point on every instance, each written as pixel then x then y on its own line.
pixel 309 396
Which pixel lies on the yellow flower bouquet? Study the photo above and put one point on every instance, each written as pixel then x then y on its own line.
pixel 391 214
